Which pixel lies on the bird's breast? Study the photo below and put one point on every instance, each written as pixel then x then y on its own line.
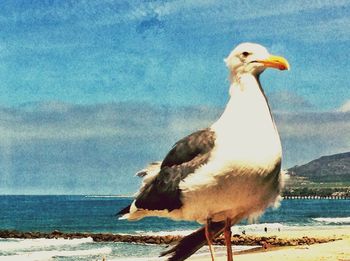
pixel 246 132
pixel 247 149
pixel 250 147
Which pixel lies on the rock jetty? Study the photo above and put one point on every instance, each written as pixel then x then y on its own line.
pixel 237 239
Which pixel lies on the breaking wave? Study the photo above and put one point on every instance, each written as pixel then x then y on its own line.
pixel 45 255
pixel 18 244
pixel 334 220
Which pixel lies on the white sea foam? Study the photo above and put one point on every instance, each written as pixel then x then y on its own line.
pixel 167 233
pixel 260 226
pixel 22 244
pixel 45 255
pixel 235 229
pixel 334 220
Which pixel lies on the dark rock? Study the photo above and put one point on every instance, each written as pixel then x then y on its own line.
pixel 99 237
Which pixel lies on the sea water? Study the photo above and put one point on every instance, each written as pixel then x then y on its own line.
pixel 96 214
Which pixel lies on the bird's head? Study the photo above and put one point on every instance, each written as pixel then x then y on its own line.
pixel 253 59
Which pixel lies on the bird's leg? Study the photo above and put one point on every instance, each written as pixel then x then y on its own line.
pixel 227 235
pixel 209 237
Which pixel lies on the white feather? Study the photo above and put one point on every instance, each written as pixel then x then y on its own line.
pixel 239 180
pixel 247 148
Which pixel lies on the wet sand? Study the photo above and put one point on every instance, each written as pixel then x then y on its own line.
pixel 338 250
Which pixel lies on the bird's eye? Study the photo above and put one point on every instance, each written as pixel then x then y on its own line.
pixel 245 54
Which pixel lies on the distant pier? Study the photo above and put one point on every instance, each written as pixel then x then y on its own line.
pixel 316 197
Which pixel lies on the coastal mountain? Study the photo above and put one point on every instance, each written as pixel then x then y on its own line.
pixel 328 176
pixel 333 168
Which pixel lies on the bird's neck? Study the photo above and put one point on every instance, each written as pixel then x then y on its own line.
pixel 245 82
pixel 246 130
pixel 247 105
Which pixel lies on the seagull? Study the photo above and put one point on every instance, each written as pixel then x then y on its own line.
pixel 225 173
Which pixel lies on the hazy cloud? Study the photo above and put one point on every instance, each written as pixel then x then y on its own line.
pixel 64 148
pixel 288 101
pixel 309 135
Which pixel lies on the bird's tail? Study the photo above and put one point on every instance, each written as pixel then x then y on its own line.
pixel 191 243
pixel 124 211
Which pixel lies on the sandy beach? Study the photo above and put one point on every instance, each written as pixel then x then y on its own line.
pixel 337 250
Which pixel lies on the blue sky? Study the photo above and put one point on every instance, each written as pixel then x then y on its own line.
pixel 167 52
pixel 91 91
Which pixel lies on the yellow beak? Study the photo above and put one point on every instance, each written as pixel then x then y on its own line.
pixel 275 62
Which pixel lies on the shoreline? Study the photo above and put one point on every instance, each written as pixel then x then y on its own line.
pixel 332 251
pixel 331 243
pixel 337 250
pixel 265 240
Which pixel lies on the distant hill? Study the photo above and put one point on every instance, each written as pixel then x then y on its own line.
pixel 328 176
pixel 333 168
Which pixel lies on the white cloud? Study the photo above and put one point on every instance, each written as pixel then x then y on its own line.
pixel 56 141
pixel 62 121
pixel 309 135
pixel 325 132
pixel 288 101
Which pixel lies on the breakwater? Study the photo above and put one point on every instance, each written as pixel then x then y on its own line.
pixel 236 239
pixel 315 197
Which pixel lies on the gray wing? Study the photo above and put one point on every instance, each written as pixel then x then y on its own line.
pixel 184 158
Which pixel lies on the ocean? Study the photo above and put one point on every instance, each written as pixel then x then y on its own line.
pixel 96 214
